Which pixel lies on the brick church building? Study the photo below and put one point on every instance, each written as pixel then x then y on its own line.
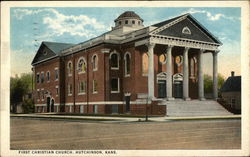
pixel 126 68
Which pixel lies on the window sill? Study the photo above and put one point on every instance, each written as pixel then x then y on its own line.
pixel 81 72
pixel 56 79
pixel 115 92
pixel 95 92
pixel 145 75
pixel 114 68
pixel 128 75
pixel 69 75
pixel 69 94
pixel 81 93
pixel 95 69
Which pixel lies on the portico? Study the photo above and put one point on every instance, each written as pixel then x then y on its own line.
pixel 187 46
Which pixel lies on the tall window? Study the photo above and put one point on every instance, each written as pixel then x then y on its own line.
pixel 37 78
pixel 144 64
pixel 70 68
pixel 127 58
pixel 48 75
pixel 82 87
pixel 94 86
pixel 70 89
pixel 95 62
pixel 42 77
pixel 56 74
pixel 114 60
pixel 192 67
pixel 115 85
pixel 82 65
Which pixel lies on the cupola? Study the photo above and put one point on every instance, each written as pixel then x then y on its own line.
pixel 128 19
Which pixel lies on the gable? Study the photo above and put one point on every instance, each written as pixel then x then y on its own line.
pixel 43 53
pixel 186 27
pixel 48 50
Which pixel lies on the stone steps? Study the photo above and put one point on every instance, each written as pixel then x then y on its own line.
pixel 179 108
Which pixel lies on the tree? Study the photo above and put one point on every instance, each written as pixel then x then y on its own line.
pixel 19 87
pixel 208 83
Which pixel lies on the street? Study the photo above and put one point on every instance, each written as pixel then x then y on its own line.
pixel 78 135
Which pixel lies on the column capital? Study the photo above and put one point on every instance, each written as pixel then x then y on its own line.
pixel 202 50
pixel 170 46
pixel 150 45
pixel 216 52
pixel 187 48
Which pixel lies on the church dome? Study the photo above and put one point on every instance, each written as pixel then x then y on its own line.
pixel 129 14
pixel 129 19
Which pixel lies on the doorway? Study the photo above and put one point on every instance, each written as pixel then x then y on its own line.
pixel 162 88
pixel 178 85
pixel 52 105
pixel 162 84
pixel 48 104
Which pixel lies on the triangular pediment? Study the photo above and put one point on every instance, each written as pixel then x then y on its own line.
pixel 49 50
pixel 186 27
pixel 43 53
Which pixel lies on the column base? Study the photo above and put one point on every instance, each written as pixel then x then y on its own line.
pixel 187 99
pixel 202 99
pixel 170 99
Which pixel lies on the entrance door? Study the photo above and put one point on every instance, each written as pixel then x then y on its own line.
pixel 48 104
pixel 52 105
pixel 161 88
pixel 178 89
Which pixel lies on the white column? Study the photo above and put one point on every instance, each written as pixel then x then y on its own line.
pixel 185 75
pixel 215 75
pixel 200 75
pixel 151 70
pixel 169 73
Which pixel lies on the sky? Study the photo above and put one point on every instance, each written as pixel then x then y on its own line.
pixel 30 26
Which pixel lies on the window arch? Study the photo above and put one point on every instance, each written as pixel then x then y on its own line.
pixel 114 60
pixel 144 64
pixel 127 60
pixel 70 68
pixel 81 65
pixel 95 62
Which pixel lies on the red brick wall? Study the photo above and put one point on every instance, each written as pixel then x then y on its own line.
pixel 47 86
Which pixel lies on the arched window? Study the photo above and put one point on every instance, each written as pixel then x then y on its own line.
pixel 114 60
pixel 127 59
pixel 95 62
pixel 144 64
pixel 70 68
pixel 192 67
pixel 81 65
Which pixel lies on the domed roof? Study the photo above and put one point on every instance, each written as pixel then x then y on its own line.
pixel 129 14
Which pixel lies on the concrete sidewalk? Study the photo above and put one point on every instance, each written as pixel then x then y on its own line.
pixel 123 119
